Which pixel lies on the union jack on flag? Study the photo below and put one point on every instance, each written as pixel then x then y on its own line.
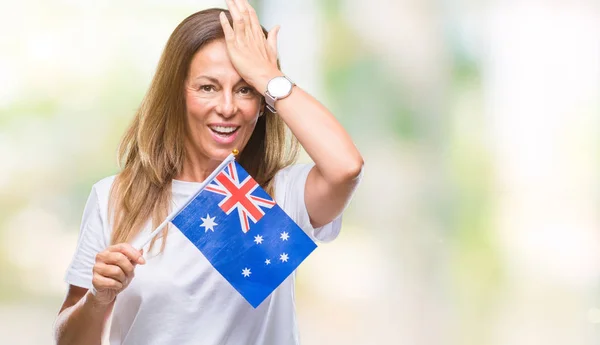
pixel 238 195
pixel 243 233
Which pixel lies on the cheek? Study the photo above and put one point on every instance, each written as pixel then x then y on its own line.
pixel 250 110
pixel 197 108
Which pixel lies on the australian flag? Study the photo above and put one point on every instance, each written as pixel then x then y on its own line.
pixel 244 234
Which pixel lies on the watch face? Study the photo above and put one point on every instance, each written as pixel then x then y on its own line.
pixel 279 87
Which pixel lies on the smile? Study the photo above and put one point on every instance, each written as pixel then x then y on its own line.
pixel 224 134
pixel 224 130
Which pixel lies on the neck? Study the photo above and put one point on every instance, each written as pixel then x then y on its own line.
pixel 196 166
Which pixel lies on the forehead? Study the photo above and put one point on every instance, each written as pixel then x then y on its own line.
pixel 212 60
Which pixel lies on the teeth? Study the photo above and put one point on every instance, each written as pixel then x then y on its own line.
pixel 221 129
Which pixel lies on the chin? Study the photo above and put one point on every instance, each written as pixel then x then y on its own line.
pixel 222 153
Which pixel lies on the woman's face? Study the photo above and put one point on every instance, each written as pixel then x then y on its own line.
pixel 222 109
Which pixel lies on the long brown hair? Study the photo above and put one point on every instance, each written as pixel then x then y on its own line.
pixel 152 150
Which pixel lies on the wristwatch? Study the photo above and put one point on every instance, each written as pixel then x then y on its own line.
pixel 278 88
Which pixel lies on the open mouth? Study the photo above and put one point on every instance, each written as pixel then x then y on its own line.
pixel 224 131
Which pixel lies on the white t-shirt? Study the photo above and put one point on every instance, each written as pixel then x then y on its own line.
pixel 177 297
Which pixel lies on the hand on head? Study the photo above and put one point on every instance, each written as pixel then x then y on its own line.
pixel 253 55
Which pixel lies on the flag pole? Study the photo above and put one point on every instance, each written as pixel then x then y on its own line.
pixel 141 241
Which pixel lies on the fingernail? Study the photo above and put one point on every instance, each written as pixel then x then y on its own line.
pixel 141 260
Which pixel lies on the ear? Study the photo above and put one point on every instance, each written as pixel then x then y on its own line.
pixel 262 107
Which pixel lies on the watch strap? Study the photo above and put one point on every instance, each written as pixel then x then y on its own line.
pixel 270 102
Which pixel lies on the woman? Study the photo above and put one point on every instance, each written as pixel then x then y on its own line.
pixel 217 88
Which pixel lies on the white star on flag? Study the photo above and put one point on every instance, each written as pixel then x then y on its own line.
pixel 268 262
pixel 208 223
pixel 284 236
pixel 258 239
pixel 283 257
pixel 246 272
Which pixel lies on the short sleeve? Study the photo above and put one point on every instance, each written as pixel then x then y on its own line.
pixel 289 189
pixel 92 240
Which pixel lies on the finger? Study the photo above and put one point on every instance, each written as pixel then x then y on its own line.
pixel 131 253
pixel 110 271
pixel 272 41
pixel 258 34
pixel 238 21
pixel 255 23
pixel 242 6
pixel 227 29
pixel 103 283
pixel 120 260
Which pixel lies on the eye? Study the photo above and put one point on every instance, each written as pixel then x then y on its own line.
pixel 246 90
pixel 207 88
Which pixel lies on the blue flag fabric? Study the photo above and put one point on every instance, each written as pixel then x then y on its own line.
pixel 244 234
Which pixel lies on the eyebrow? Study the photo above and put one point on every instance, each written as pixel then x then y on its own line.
pixel 216 81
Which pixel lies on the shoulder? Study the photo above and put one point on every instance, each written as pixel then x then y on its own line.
pixel 292 173
pixel 101 190
pixel 290 181
pixel 104 184
pixel 290 187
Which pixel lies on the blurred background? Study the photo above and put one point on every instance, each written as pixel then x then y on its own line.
pixel 477 221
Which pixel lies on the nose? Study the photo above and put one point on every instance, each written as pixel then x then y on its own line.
pixel 226 107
